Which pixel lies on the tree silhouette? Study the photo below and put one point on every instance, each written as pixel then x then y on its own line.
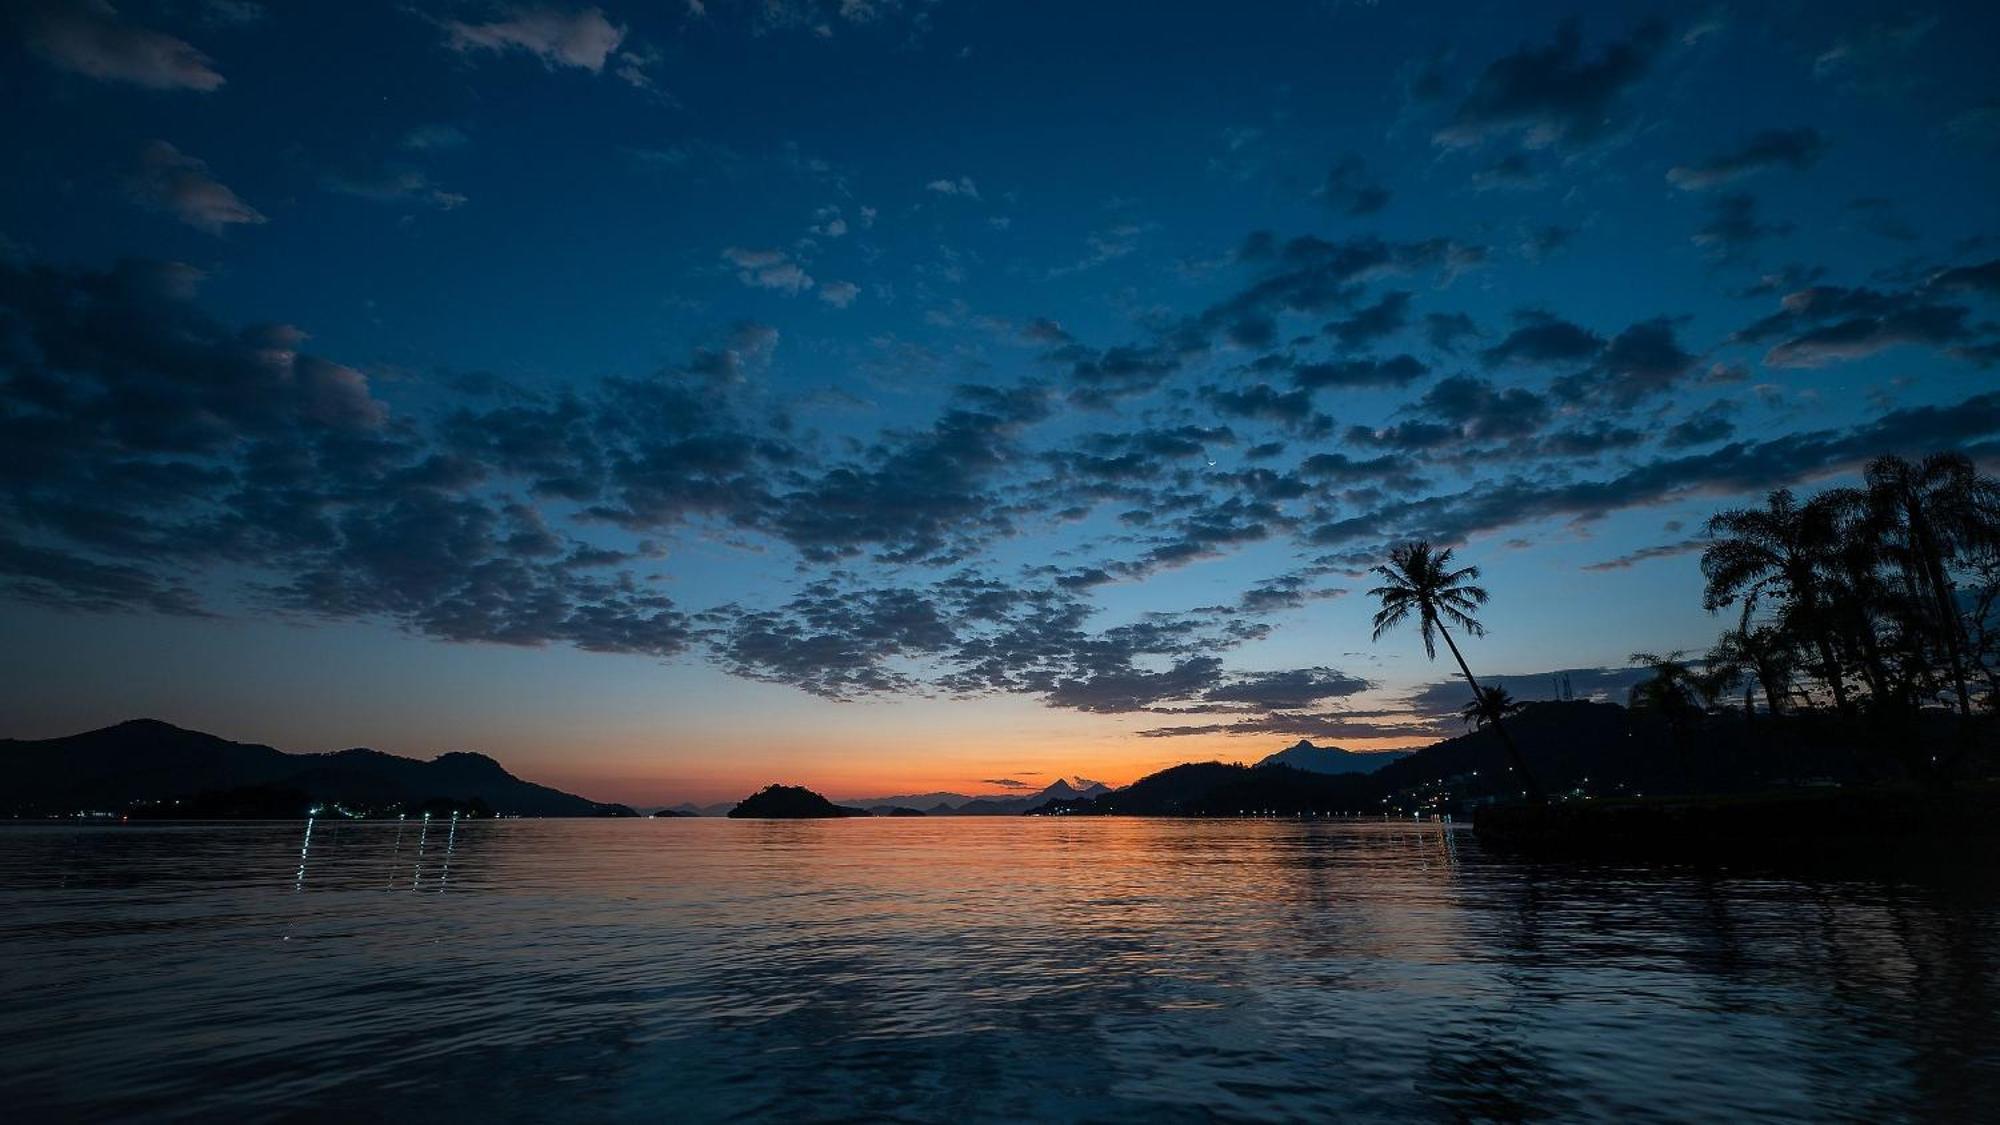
pixel 1756 656
pixel 1491 702
pixel 1673 691
pixel 1931 511
pixel 1779 551
pixel 1420 580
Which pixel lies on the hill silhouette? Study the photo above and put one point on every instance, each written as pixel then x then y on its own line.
pixel 150 764
pixel 1601 749
pixel 1303 755
pixel 790 802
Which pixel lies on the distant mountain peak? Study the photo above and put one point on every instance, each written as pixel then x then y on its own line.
pixel 1304 755
pixel 143 725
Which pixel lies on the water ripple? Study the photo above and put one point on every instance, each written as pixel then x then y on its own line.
pixel 966 969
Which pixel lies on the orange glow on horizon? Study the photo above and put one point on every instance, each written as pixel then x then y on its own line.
pixel 1116 760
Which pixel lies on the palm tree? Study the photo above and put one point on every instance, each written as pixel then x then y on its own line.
pixel 1756 656
pixel 1673 691
pixel 1420 580
pixel 1779 551
pixel 1935 510
pixel 1492 701
pixel 1727 667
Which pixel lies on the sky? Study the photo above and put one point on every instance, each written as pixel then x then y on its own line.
pixel 670 398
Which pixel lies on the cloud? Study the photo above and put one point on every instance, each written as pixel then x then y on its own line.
pixel 1512 172
pixel 1797 149
pixel 1445 331
pixel 173 181
pixel 1739 467
pixel 1384 318
pixel 88 38
pixel 1981 278
pixel 1644 361
pixel 769 269
pixel 1261 401
pixel 1396 371
pixel 1541 337
pixel 1733 226
pixel 427 138
pixel 65 581
pixel 1445 700
pixel 582 38
pixel 836 643
pixel 839 294
pixel 397 186
pixel 1107 245
pixel 746 348
pixel 1125 689
pixel 1647 554
pixel 1332 725
pixel 1553 95
pixel 1823 325
pixel 962 186
pixel 1481 411
pixel 917 496
pixel 1706 426
pixel 1350 190
pixel 1287 690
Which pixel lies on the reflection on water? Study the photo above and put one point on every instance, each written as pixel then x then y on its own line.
pixel 951 969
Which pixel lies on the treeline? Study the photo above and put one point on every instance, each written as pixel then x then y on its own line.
pixel 1868 610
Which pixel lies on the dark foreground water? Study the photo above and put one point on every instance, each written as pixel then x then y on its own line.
pixel 960 969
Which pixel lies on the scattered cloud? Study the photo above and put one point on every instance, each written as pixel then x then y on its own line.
pixel 768 269
pixel 1555 95
pixel 171 180
pixel 962 186
pixel 1797 149
pixel 581 38
pixel 90 38
pixel 1350 190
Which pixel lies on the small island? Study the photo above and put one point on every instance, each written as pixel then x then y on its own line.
pixel 790 802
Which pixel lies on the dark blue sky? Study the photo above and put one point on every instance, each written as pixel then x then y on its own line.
pixel 663 396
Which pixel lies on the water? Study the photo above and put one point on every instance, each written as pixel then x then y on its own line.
pixel 965 969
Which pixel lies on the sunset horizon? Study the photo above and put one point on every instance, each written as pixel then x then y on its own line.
pixel 952 560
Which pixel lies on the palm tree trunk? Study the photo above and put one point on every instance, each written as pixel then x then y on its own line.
pixel 1952 630
pixel 1513 752
pixel 1831 670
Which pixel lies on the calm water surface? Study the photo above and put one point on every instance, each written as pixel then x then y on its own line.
pixel 963 969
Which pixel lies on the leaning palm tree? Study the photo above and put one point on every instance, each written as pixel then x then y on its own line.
pixel 1420 580
pixel 1493 702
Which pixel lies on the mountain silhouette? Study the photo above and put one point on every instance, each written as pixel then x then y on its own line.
pixel 1303 755
pixel 964 804
pixel 790 802
pixel 1565 742
pixel 146 761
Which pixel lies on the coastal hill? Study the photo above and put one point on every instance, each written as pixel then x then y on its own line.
pixel 1303 755
pixel 1599 749
pixel 790 802
pixel 145 766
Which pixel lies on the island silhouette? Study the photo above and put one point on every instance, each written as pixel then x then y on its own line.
pixel 791 802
